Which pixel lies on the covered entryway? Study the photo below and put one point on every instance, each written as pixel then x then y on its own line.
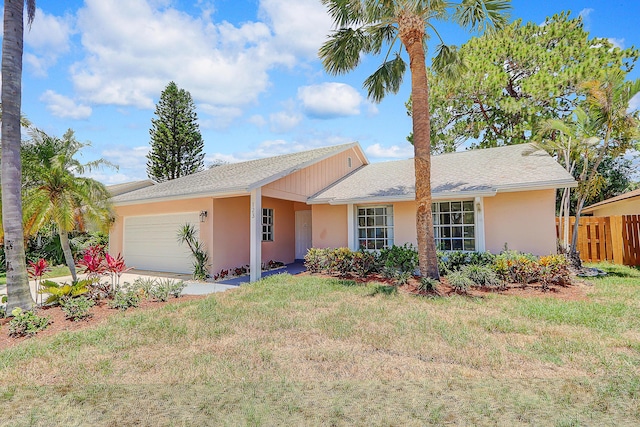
pixel 303 233
pixel 150 242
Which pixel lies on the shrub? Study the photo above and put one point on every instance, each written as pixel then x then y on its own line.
pixel 454 260
pixel 459 281
pixel 98 290
pixel 554 270
pixel 26 323
pixel 427 284
pixel 160 292
pixel 481 275
pixel 364 263
pixel 402 277
pixel 61 291
pixel 315 260
pixel 403 258
pixel 125 299
pixel 143 286
pixel 340 261
pixel 516 267
pixel 77 308
pixel 176 288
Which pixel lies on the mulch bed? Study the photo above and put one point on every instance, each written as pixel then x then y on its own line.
pixel 574 292
pixel 101 311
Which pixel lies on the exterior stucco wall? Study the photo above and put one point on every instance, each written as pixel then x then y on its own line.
pixel 225 232
pixel 623 207
pixel 116 234
pixel 405 223
pixel 329 226
pixel 282 248
pixel 525 221
pixel 232 234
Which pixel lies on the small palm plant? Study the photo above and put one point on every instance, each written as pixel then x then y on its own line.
pixel 187 234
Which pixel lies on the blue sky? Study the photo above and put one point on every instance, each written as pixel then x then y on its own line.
pixel 99 66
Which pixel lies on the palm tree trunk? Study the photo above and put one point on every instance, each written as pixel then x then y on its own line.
pixel 68 256
pixel 412 35
pixel 18 291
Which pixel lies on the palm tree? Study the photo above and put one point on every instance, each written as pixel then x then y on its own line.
pixel 18 292
pixel 571 140
pixel 618 129
pixel 54 193
pixel 368 27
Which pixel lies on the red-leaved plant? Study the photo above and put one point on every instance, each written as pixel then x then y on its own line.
pixel 36 270
pixel 116 267
pixel 93 261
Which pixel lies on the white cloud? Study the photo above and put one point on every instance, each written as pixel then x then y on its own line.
pixel 257 120
pixel 300 26
pixel 392 152
pixel 64 107
pixel 619 43
pixel 127 158
pixel 284 121
pixel 328 100
pixel 275 147
pixel 585 13
pixel 634 103
pixel 47 39
pixel 134 48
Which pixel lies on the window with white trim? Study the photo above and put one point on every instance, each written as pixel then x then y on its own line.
pixel 267 225
pixel 454 225
pixel 375 227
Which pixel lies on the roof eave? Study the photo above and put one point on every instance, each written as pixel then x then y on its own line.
pixel 541 185
pixel 217 194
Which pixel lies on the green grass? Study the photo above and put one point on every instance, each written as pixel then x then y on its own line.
pixel 311 351
pixel 3 278
pixel 58 271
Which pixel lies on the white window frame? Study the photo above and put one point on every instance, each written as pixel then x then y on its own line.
pixel 374 227
pixel 267 224
pixel 456 225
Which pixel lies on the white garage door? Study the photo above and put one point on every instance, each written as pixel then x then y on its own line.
pixel 150 242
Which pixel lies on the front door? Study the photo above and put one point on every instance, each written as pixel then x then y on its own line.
pixel 303 233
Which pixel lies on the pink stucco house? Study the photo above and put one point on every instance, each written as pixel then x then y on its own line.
pixel 278 207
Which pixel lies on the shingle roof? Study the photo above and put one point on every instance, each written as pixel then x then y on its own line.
pixel 232 178
pixel 466 173
pixel 125 187
pixel 625 196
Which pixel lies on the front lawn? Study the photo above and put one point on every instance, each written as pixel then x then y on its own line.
pixel 314 351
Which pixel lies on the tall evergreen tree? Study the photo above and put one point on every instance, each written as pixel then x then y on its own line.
pixel 176 143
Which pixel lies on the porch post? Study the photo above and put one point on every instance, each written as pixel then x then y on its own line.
pixel 479 208
pixel 351 232
pixel 255 263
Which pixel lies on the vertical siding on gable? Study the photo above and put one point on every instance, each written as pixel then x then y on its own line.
pixel 308 181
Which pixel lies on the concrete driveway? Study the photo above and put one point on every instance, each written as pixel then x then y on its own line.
pixel 193 287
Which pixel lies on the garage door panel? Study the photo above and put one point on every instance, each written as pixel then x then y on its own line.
pixel 150 242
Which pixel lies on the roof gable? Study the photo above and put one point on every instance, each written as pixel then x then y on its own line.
pixel 233 178
pixel 621 197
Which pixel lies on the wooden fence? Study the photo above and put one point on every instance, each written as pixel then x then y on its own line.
pixel 611 238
